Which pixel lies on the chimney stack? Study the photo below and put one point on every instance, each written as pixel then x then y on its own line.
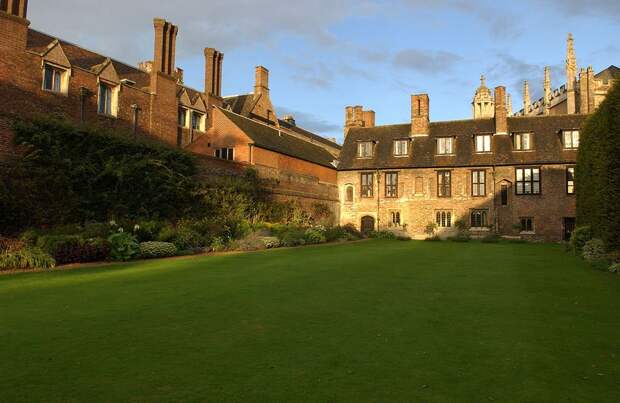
pixel 368 118
pixel 261 85
pixel 213 72
pixel 165 47
pixel 420 121
pixel 13 24
pixel 501 113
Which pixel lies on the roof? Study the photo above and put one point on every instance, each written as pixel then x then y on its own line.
pixel 310 135
pixel 547 145
pixel 270 138
pixel 610 73
pixel 240 104
pixel 85 59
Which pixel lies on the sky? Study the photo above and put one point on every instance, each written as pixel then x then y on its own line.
pixel 326 54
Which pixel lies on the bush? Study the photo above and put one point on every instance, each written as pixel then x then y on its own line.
pixel 183 237
pixel 26 258
pixel 218 244
pixel 153 249
pixel 256 241
pixel 579 237
pixel 148 230
pixel 10 244
pixel 462 236
pixel 382 235
pixel 66 249
pixel 346 232
pixel 314 236
pixel 615 268
pixel 271 242
pixel 614 256
pixel 430 229
pixel 124 246
pixel 491 238
pixel 434 238
pixel 594 250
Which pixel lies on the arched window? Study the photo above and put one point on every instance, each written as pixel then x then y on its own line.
pixel 479 218
pixel 349 194
pixel 444 219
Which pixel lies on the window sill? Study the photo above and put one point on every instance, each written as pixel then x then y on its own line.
pixel 364 158
pixel 528 194
pixel 527 233
pixel 105 115
pixel 523 151
pixel 445 155
pixel 483 152
pixel 479 229
pixel 400 156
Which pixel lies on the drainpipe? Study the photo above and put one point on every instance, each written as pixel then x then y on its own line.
pixel 378 198
pixel 84 93
pixel 136 110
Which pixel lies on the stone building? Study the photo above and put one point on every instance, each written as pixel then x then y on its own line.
pixel 513 175
pixel 40 73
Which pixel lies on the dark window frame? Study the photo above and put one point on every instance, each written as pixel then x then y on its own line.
pixel 531 181
pixel 444 189
pixel 349 194
pixel 395 218
pixel 572 145
pixel 371 148
pixel 479 184
pixel 443 218
pixel 452 145
pixel 391 185
pixel 105 98
pixel 479 218
pixel 54 78
pixel 527 224
pixel 225 153
pixel 367 187
pixel 193 121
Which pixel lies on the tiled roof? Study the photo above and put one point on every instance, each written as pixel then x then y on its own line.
pixel 270 138
pixel 547 147
pixel 85 59
pixel 310 135
pixel 240 104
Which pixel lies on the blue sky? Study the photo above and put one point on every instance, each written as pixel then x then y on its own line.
pixel 326 54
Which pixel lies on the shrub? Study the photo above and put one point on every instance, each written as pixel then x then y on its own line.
pixel 491 238
pixel 148 230
pixel 95 230
pixel 218 244
pixel 594 250
pixel 10 244
pixel 183 237
pixel 462 236
pixel 68 249
pixel 382 235
pixel 430 229
pixel 614 256
pixel 579 237
pixel 26 258
pixel 271 242
pixel 461 224
pixel 314 236
pixel 123 246
pixel 153 249
pixel 256 241
pixel 434 238
pixel 342 233
pixel 615 268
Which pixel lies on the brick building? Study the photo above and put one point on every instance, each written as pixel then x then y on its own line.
pixel 40 73
pixel 510 174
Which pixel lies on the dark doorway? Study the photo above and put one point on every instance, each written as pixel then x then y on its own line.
pixel 368 224
pixel 569 227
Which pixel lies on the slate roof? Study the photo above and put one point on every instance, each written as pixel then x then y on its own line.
pixel 310 135
pixel 610 73
pixel 547 146
pixel 85 59
pixel 270 138
pixel 240 104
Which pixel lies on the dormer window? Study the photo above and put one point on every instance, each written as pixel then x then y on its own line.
pixel 483 143
pixel 108 99
pixel 445 146
pixel 364 149
pixel 570 139
pixel 198 121
pixel 401 148
pixel 54 79
pixel 182 117
pixel 522 141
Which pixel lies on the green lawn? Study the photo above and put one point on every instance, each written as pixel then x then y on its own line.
pixel 378 321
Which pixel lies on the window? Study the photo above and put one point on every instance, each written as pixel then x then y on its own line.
pixel 504 195
pixel 395 215
pixel 479 218
pixel 528 181
pixel 522 141
pixel 445 145
pixel 367 185
pixel 105 100
pixel 52 80
pixel 197 119
pixel 478 183
pixel 527 224
pixel 391 184
pixel 570 180
pixel 443 219
pixel 225 153
pixel 571 139
pixel 401 147
pixel 444 186
pixel 483 143
pixel 364 149
pixel 182 117
pixel 349 194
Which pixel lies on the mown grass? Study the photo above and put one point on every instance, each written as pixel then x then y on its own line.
pixel 378 321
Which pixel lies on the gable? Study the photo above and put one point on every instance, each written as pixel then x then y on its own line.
pixel 107 72
pixel 56 55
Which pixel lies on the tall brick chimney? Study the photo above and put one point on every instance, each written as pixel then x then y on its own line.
pixel 501 113
pixel 420 119
pixel 13 24
pixel 261 85
pixel 369 118
pixel 165 47
pixel 213 72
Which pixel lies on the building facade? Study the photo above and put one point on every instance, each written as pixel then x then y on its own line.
pixel 43 74
pixel 510 175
